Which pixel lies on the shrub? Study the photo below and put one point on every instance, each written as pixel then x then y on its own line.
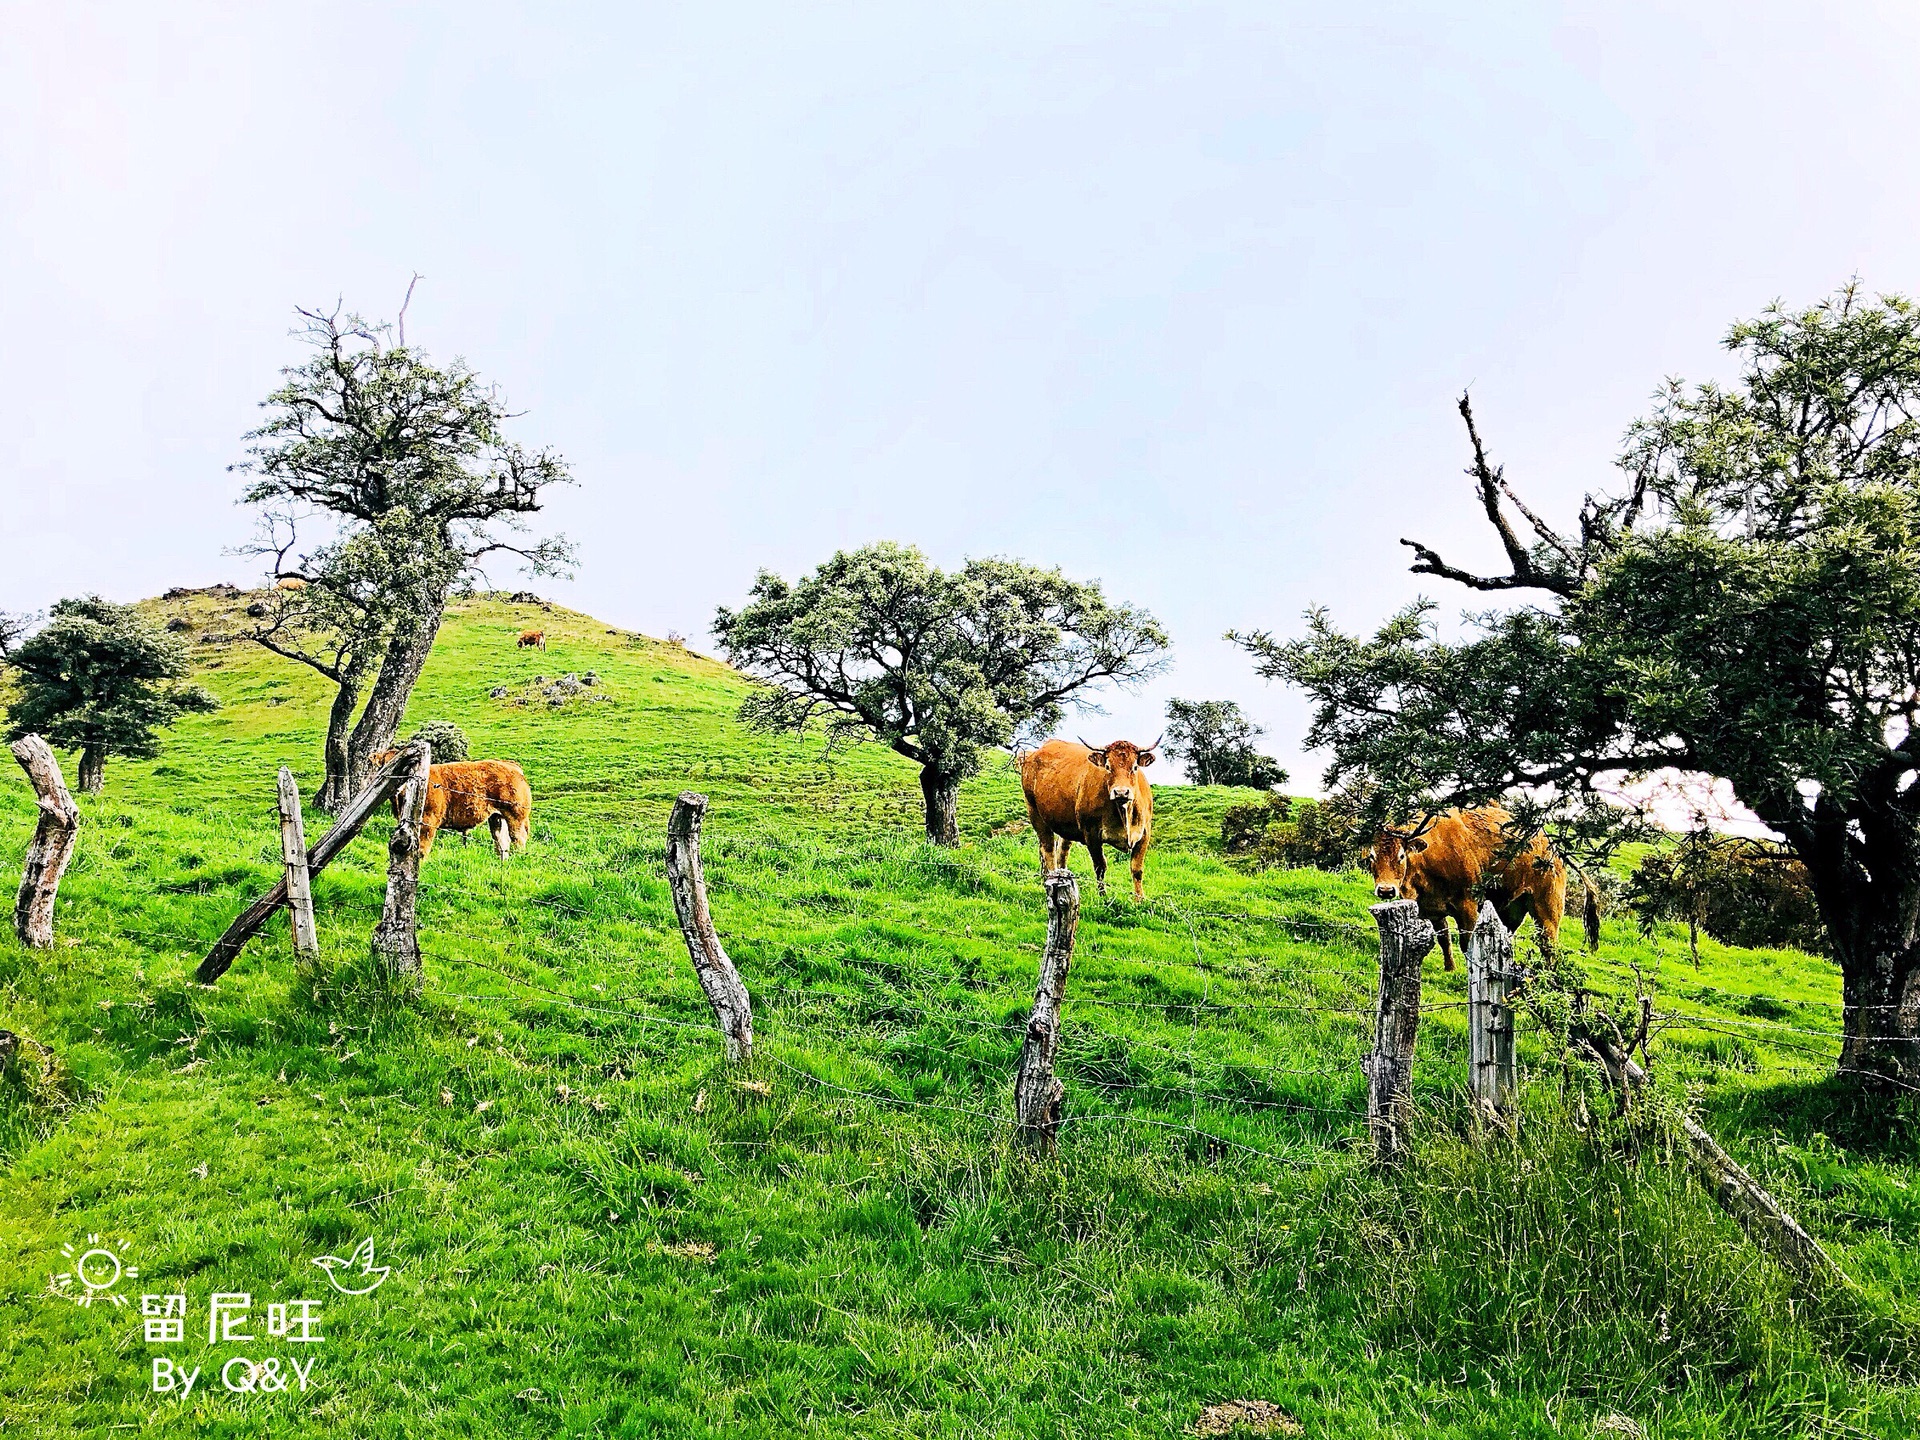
pixel 447 740
pixel 1296 834
pixel 1741 892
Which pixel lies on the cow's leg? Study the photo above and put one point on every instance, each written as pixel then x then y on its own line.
pixel 1138 864
pixel 1045 837
pixel 1465 917
pixel 1097 852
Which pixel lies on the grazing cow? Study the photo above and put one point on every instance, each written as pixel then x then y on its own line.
pixel 1096 796
pixel 533 639
pixel 1453 862
pixel 470 793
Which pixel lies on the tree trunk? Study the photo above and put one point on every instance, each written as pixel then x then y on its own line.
pixel 406 657
pixel 93 769
pixel 942 794
pixel 1880 1030
pixel 337 786
pixel 1866 879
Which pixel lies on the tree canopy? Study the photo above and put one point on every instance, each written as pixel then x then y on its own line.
pixel 98 678
pixel 405 467
pixel 1745 606
pixel 882 645
pixel 1213 740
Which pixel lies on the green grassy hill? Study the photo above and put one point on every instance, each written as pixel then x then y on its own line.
pixel 595 1228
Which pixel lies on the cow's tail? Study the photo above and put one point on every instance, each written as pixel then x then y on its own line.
pixel 1590 911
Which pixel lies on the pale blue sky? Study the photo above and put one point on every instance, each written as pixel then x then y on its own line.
pixel 1175 296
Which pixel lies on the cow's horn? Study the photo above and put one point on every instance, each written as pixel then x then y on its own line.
pixel 1157 739
pixel 1097 749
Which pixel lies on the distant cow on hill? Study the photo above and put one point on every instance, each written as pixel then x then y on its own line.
pixel 533 639
pixel 467 794
pixel 1462 857
pixel 290 582
pixel 1096 796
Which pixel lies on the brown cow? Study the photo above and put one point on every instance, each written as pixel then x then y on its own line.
pixel 290 582
pixel 532 639
pixel 1096 796
pixel 467 794
pixel 1449 865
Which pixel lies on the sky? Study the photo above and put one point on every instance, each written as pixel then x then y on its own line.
pixel 1176 297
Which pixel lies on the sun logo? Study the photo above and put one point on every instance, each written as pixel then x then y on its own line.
pixel 94 1274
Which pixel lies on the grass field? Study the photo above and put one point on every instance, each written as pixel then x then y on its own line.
pixel 595 1228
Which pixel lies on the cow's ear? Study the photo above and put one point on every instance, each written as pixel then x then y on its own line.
pixel 1416 846
pixel 1145 758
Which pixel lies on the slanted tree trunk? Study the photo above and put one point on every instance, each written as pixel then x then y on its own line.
pixel 93 769
pixel 942 794
pixel 337 786
pixel 406 657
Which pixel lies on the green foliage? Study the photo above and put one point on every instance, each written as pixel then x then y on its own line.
pixel 1741 892
pixel 1213 739
pixel 1747 607
pixel 938 667
pixel 97 678
pixel 446 739
pixel 1324 834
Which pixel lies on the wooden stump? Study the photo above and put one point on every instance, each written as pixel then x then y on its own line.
pixel 293 855
pixel 1405 940
pixel 1039 1097
pixel 357 812
pixel 396 944
pixel 732 1007
pixel 1491 976
pixel 54 837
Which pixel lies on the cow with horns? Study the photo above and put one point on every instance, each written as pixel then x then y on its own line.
pixel 1097 795
pixel 1451 862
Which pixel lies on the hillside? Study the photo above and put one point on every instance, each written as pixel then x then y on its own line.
pixel 595 1228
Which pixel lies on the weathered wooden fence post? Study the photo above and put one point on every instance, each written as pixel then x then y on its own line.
pixel 53 840
pixel 395 941
pixel 1038 1094
pixel 1491 977
pixel 358 811
pixel 293 854
pixel 1405 940
pixel 732 1007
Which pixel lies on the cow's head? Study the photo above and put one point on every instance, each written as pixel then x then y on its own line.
pixel 1120 760
pixel 1392 852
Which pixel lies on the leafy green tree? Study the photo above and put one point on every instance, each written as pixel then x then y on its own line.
pixel 939 667
pixel 1213 740
pixel 98 678
pixel 1746 606
pixel 406 466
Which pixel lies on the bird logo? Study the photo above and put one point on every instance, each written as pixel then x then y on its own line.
pixel 358 1266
